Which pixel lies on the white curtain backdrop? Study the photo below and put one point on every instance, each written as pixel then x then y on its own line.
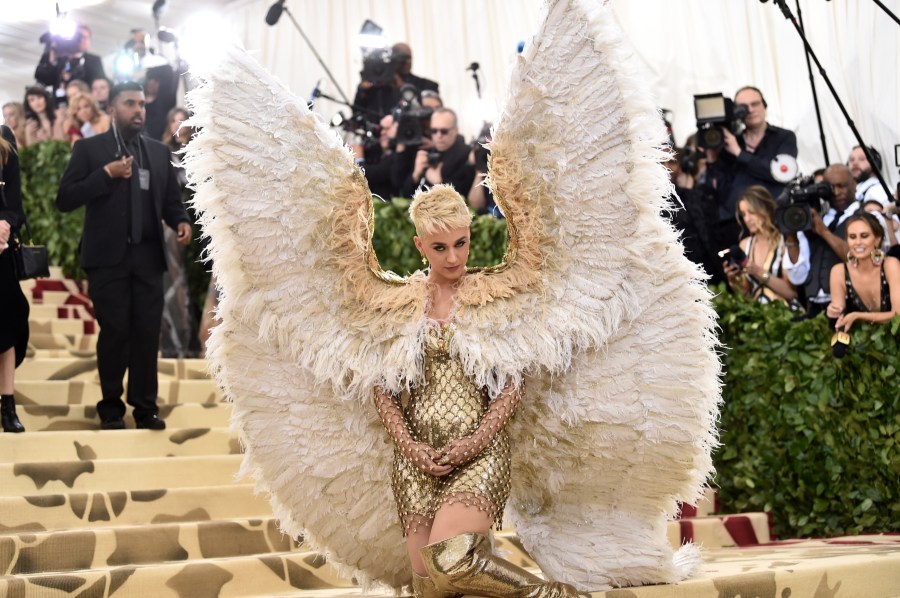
pixel 687 47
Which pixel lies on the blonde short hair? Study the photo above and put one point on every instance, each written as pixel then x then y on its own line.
pixel 438 209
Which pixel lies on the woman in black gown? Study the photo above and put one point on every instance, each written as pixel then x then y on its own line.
pixel 13 305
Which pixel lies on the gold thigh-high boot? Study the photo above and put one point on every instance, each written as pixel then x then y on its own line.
pixel 465 564
pixel 423 587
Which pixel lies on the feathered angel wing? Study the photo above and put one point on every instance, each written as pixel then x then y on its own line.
pixel 599 305
pixel 310 324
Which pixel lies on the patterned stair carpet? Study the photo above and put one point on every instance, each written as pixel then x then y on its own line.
pixel 92 513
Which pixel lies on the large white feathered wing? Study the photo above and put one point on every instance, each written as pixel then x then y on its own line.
pixel 613 327
pixel 307 322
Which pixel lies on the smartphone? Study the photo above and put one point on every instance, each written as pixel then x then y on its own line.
pixel 735 256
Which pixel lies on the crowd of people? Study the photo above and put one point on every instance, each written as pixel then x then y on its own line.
pixel 404 138
pixel 126 139
pixel 733 223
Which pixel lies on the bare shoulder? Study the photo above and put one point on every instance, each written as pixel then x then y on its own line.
pixel 838 270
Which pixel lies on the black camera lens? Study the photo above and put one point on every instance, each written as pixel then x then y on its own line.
pixel 434 158
pixel 796 218
pixel 713 138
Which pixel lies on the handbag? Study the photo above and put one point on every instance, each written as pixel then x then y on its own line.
pixel 30 261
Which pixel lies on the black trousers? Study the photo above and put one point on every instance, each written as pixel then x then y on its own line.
pixel 128 304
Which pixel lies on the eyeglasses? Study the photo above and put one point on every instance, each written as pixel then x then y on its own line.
pixel 442 131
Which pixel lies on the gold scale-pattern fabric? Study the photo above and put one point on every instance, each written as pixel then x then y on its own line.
pixel 448 406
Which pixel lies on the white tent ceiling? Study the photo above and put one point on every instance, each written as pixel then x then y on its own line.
pixel 22 22
pixel 686 46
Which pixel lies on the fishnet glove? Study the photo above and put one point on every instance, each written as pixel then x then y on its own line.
pixel 421 454
pixel 461 451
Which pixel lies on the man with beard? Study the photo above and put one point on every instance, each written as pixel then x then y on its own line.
pixel 868 187
pixel 128 186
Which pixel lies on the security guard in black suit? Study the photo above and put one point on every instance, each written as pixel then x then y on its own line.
pixel 128 186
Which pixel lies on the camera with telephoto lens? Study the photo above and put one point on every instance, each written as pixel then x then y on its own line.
pixel 715 113
pixel 793 206
pixel 411 117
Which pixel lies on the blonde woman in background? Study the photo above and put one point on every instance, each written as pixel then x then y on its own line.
pixel 14 118
pixel 85 118
pixel 763 275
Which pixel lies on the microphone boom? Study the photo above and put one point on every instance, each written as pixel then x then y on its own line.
pixel 275 12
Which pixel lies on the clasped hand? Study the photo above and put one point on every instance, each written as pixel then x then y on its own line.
pixel 442 462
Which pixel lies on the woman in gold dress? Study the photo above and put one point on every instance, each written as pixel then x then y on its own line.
pixel 451 476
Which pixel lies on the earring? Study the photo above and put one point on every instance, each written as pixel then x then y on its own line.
pixel 424 260
pixel 877 257
pixel 851 259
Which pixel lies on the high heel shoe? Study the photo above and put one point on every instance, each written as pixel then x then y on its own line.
pixel 8 415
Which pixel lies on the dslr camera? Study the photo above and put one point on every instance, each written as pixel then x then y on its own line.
pixel 715 113
pixel 792 212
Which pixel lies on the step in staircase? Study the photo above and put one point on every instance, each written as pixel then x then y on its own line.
pixel 92 513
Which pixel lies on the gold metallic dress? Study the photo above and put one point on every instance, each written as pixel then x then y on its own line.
pixel 448 406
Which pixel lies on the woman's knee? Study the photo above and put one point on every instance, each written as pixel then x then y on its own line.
pixel 458 518
pixel 415 541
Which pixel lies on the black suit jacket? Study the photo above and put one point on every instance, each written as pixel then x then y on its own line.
pixel 87 68
pixel 12 192
pixel 106 200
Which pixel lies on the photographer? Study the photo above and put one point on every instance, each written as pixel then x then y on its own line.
pixel 65 60
pixel 696 218
pixel 480 197
pixel 378 160
pixel 443 159
pixel 746 160
pixel 381 97
pixel 827 240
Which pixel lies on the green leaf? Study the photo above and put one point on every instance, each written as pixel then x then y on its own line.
pixel 809 436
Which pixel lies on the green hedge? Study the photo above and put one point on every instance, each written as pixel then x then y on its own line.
pixel 42 167
pixel 809 437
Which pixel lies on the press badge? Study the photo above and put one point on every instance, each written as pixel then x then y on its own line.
pixel 145 179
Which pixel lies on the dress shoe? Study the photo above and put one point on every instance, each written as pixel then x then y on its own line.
pixel 150 422
pixel 112 424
